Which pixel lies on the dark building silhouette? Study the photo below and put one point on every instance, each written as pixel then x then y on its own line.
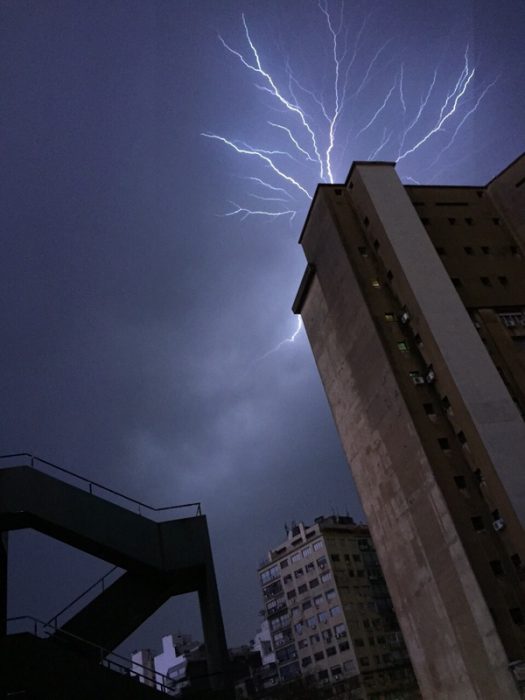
pixel 414 305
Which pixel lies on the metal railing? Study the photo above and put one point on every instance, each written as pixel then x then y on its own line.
pixel 95 488
pixel 107 659
pixel 101 582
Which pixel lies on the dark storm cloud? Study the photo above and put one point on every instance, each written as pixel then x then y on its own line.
pixel 138 321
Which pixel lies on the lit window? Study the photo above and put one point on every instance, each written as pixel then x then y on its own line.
pixel 318 545
pixel 389 317
pixel 295 557
pixel 336 610
pixel 402 346
pixel 307 551
pixel 375 283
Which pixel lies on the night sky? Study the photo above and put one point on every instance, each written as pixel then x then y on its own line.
pixel 139 322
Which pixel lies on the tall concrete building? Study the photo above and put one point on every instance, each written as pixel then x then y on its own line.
pixel 330 615
pixel 414 305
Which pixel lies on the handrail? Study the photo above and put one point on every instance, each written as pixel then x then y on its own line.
pixel 123 665
pixel 94 484
pixel 53 622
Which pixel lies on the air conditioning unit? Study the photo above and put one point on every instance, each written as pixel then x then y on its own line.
pixel 430 376
pixel 404 317
pixel 498 524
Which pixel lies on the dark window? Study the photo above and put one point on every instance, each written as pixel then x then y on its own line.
pixel 460 482
pixel 468 250
pixel 429 409
pixel 322 675
pixel 469 221
pixel 319 655
pixel 456 282
pixel 389 275
pixel 444 444
pixel 496 567
pixel 462 438
pixel 516 560
pixel 344 646
pixel 314 583
pixel 359 642
pixel 417 339
pixel 366 221
pixel 376 244
pixel 302 589
pixel 451 220
pixel 338 192
pixel 514 250
pixel 503 280
pixel 477 523
pixel 335 557
pixel 496 515
pixel 363 251
pixel 516 615
pixel 331 651
pixel 425 221
pixel 496 221
pixel 445 403
pixel 485 249
pixel 440 250
pixel 485 282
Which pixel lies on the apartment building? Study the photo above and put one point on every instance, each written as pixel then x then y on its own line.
pixel 414 304
pixel 330 614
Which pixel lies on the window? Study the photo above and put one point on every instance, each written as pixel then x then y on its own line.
pixel 402 346
pixel 284 563
pixel 335 671
pixel 456 282
pixel 469 221
pixel 451 220
pixel 327 635
pixel 359 642
pixel 298 573
pixel 462 438
pixel 331 651
pixel 460 482
pixel 336 610
pixel 503 280
pixel 444 444
pixel 364 661
pixel 298 627
pixel 307 551
pixel 496 567
pixel 363 251
pixel 496 221
pixel 485 282
pixel 307 604
pixel 375 283
pixel 326 577
pixel 468 250
pixel 485 250
pixel 340 631
pixel 344 646
pixel 318 545
pixel 389 275
pixel 322 616
pixel 516 560
pixel 311 622
pixel 322 675
pixel 429 409
pixel 296 556
pixel 318 600
pixel 389 316
pixel 309 568
pixel 306 661
pixel 477 523
pixel 319 656
pixel 517 615
pixel 270 574
pixel 287 578
pixel 366 221
pixel 295 610
pixel 315 638
pixel 440 251
pixel 356 557
pixel 425 220
pixel 302 589
pixel 335 557
pixel 314 583
pixel 322 562
pixel 330 595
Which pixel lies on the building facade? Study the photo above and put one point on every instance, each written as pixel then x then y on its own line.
pixel 330 615
pixel 414 305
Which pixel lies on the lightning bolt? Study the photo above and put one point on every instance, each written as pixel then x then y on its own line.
pixel 311 120
pixel 362 83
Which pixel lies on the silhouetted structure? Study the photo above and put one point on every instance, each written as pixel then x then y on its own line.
pixel 414 304
pixel 73 659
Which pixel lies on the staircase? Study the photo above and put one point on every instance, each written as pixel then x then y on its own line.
pixel 161 557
